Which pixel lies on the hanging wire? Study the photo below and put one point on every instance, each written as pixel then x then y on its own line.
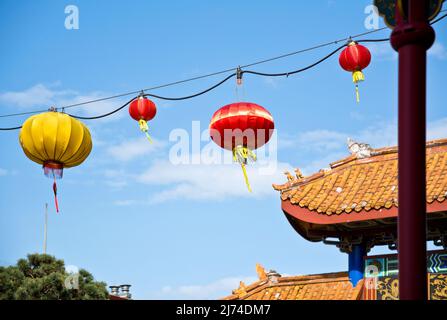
pixel 193 95
pixel 440 18
pixel 103 115
pixel 295 71
pixel 212 87
pixel 141 92
pixel 198 77
pixel 13 128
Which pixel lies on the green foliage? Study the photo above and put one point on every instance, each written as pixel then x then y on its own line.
pixel 43 277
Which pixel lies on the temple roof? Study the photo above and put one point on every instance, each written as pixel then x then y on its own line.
pixel 364 181
pixel 272 286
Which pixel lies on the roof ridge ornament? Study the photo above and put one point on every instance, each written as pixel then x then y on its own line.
pixel 242 290
pixel 298 175
pixel 360 150
pixel 261 272
pixel 289 176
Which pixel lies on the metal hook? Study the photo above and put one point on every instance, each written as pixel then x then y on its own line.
pixel 239 74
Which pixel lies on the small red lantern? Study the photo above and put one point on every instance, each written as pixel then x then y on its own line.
pixel 242 127
pixel 354 58
pixel 142 109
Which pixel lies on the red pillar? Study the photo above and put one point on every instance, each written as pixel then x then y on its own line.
pixel 411 38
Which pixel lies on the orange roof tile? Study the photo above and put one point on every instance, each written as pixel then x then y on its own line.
pixel 329 286
pixel 363 182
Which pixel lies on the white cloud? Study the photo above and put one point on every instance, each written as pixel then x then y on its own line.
pixel 36 96
pixel 125 203
pixel 3 172
pixel 327 146
pixel 42 96
pixel 209 182
pixel 135 148
pixel 118 184
pixel 321 162
pixel 214 290
pixel 379 135
pixel 116 178
pixel 216 182
pixel 437 129
pixel 322 140
pixel 438 51
pixel 386 134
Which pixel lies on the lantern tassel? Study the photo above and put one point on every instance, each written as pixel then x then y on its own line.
pixel 55 195
pixel 358 76
pixel 241 155
pixel 357 95
pixel 244 170
pixel 145 128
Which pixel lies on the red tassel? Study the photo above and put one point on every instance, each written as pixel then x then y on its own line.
pixel 55 195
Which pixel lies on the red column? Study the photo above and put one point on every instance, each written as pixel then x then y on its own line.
pixel 411 38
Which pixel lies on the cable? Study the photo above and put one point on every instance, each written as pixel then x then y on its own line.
pixel 212 87
pixel 155 96
pixel 103 115
pixel 216 73
pixel 201 92
pixel 373 40
pixel 314 47
pixel 149 89
pixel 440 18
pixel 295 71
pixel 193 95
pixel 198 77
pixel 13 128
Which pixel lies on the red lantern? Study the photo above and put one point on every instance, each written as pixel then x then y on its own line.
pixel 142 109
pixel 242 127
pixel 354 58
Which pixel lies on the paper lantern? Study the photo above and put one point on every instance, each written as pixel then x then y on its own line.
pixel 354 58
pixel 242 127
pixel 142 110
pixel 56 141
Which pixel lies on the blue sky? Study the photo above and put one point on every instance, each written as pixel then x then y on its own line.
pixel 128 215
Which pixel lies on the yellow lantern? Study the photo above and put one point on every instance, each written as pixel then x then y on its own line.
pixel 56 141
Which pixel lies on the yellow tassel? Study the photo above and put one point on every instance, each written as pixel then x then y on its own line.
pixel 358 76
pixel 246 177
pixel 148 137
pixel 357 95
pixel 145 128
pixel 241 155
